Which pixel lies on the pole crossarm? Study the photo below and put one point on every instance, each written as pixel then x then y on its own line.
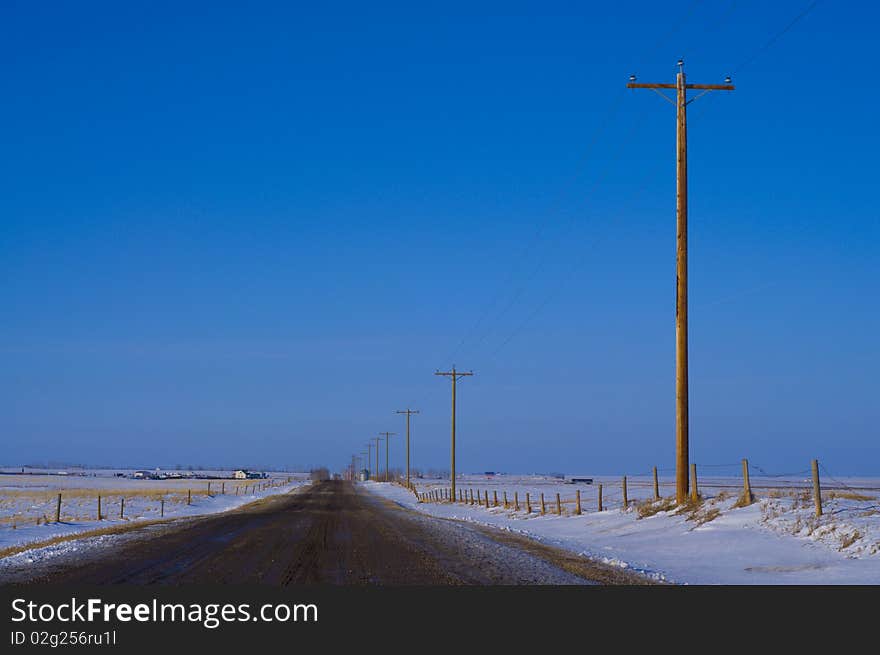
pixel 707 87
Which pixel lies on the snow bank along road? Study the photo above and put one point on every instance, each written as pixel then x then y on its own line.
pixel 327 533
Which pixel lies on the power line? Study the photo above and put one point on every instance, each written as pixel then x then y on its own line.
pixel 490 307
pixel 803 14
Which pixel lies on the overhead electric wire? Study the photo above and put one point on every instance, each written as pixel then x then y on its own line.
pixel 778 35
pixel 532 245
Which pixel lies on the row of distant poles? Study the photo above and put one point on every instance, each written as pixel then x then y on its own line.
pixel 681 102
pixel 454 375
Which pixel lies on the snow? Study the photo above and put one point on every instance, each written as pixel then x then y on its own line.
pixel 27 502
pixel 776 540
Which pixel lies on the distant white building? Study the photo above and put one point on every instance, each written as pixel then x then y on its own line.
pixel 244 474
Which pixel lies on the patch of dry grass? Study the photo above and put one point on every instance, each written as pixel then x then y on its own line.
pixel 847 540
pixel 651 507
pixel 97 532
pixel 847 495
pixel 744 501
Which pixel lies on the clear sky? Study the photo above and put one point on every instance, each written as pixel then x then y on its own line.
pixel 248 232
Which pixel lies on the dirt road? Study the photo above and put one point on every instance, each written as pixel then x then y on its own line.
pixel 329 533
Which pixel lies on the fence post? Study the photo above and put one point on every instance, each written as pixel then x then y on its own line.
pixel 600 496
pixel 817 491
pixel 189 497
pixel 625 499
pixel 486 491
pixel 558 506
pixel 543 506
pixel 656 486
pixel 99 508
pixel 58 510
pixel 209 488
pixel 122 507
pixel 495 497
pixel 578 503
pixel 747 485
pixel 505 500
pixel 516 501
pixel 695 494
pixel 222 488
pixel 162 508
pixel 528 503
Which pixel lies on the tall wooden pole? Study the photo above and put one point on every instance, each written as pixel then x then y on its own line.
pixel 454 375
pixel 452 446
pixel 681 298
pixel 388 436
pixel 408 412
pixel 378 439
pixel 369 454
pixel 681 269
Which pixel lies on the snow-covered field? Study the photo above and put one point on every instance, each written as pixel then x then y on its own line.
pixel 28 503
pixel 775 540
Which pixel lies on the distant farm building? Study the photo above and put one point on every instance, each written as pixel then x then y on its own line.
pixel 244 474
pixel 579 480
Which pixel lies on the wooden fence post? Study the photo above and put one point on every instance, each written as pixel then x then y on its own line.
pixel 656 485
pixel 516 501
pixel 558 506
pixel 222 488
pixel 495 497
pixel 189 497
pixel 122 507
pixel 505 500
pixel 625 499
pixel 600 496
pixel 99 508
pixel 695 494
pixel 817 490
pixel 577 509
pixel 543 506
pixel 747 485
pixel 528 503
pixel 58 510
pixel 162 508
pixel 209 488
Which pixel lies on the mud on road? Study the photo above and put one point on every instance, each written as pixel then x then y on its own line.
pixel 328 533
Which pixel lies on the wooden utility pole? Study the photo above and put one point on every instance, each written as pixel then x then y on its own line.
pixel 454 375
pixel 681 300
pixel 378 439
pixel 369 453
pixel 388 436
pixel 409 412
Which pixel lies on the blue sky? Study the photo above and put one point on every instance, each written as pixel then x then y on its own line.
pixel 249 233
